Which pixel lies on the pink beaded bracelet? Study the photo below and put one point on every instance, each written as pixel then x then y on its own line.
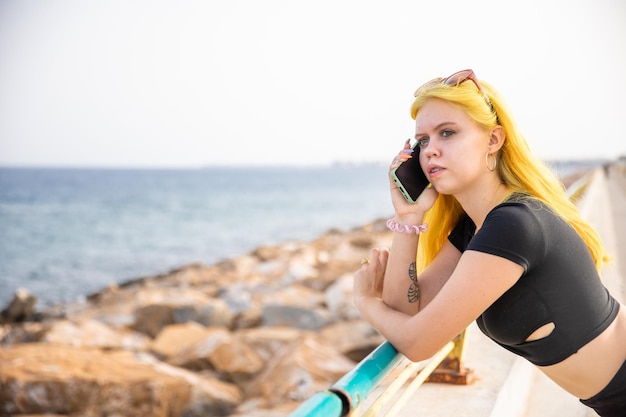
pixel 405 228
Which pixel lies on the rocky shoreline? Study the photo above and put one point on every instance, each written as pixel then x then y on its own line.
pixel 249 336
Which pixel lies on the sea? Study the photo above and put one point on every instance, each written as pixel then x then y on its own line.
pixel 65 233
pixel 69 232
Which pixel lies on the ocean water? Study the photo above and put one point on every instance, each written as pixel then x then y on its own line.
pixel 66 233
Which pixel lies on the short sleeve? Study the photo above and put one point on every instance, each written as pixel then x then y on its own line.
pixel 462 233
pixel 512 231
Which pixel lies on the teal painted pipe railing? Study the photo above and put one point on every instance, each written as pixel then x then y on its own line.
pixel 326 403
pixel 349 391
pixel 362 379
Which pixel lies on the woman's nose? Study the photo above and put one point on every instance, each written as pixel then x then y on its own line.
pixel 430 149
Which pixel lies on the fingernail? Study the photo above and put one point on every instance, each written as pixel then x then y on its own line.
pixel 407 151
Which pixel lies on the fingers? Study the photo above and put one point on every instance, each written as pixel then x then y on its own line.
pixel 384 256
pixel 378 259
pixel 403 155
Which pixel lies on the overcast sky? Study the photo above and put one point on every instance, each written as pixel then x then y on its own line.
pixel 153 83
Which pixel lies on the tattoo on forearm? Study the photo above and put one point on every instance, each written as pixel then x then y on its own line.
pixel 414 289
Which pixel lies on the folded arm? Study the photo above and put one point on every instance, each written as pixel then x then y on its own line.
pixel 476 282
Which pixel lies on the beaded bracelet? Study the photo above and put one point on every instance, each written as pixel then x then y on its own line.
pixel 405 228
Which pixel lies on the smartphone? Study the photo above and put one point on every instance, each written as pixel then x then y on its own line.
pixel 409 177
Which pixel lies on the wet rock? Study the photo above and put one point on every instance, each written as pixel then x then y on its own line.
pixel 21 307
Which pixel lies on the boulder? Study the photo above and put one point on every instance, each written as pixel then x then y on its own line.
pixel 21 307
pixel 223 352
pixel 235 360
pixel 338 297
pixel 301 266
pixel 92 333
pixel 151 319
pixel 303 368
pixel 26 332
pixel 355 339
pixel 293 316
pixel 177 338
pixel 92 382
pixel 196 356
pixel 268 342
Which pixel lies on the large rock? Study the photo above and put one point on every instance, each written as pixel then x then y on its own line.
pixel 177 338
pixel 27 332
pixel 295 306
pixel 300 370
pixel 21 307
pixel 338 298
pixel 92 333
pixel 355 338
pixel 268 342
pixel 222 352
pixel 91 382
pixel 151 319
pixel 294 316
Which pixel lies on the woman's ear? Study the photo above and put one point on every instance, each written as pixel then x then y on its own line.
pixel 496 139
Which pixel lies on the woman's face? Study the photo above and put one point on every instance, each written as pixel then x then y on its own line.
pixel 452 147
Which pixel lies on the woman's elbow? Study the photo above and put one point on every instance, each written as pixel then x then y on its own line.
pixel 417 352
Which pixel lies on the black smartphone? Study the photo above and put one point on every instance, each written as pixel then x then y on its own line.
pixel 409 177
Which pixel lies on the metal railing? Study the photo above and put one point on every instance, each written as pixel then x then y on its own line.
pixel 347 395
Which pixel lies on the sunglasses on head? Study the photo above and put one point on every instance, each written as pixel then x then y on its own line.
pixel 455 80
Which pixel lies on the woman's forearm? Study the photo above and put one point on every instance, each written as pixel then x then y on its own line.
pixel 401 289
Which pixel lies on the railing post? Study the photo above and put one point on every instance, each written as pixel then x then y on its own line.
pixel 451 370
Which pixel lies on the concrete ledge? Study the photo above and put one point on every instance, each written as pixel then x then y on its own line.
pixel 514 396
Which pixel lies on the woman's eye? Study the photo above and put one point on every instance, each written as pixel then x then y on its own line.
pixel 447 133
pixel 423 142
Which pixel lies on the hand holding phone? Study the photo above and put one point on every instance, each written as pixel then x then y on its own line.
pixel 409 177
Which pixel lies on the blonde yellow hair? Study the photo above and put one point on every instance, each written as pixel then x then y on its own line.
pixel 517 167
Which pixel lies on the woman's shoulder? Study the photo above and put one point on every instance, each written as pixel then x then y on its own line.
pixel 521 204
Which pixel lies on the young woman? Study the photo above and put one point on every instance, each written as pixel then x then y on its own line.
pixel 504 247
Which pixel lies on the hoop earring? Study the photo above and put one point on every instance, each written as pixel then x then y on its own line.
pixel 495 162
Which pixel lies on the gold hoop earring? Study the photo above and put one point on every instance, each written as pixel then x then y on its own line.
pixel 495 162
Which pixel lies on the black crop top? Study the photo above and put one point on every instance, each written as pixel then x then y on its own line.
pixel 559 285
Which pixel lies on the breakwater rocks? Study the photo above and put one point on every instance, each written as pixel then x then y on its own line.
pixel 250 336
